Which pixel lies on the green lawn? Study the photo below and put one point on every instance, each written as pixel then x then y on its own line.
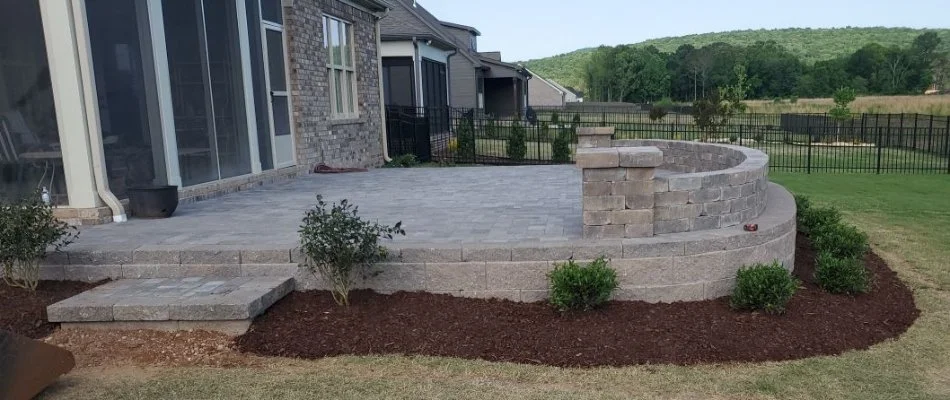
pixel 908 218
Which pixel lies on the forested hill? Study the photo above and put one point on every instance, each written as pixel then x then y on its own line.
pixel 809 45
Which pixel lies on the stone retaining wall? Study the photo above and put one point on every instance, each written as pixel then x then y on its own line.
pixel 665 268
pixel 726 186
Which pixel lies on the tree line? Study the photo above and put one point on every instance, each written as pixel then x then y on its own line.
pixel 644 74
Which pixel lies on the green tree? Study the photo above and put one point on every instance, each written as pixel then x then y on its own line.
pixel 517 145
pixel 841 112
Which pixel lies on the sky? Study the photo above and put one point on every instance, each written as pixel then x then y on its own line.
pixel 528 29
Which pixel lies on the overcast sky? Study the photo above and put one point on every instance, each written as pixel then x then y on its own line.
pixel 527 29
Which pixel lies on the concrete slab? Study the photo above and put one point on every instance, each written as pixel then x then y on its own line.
pixel 173 302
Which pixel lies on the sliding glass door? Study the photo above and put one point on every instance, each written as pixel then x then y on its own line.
pixel 207 86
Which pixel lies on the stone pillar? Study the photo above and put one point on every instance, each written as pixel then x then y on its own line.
pixel 618 190
pixel 588 138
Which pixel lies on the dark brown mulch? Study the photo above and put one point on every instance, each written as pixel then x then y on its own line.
pixel 24 313
pixel 310 325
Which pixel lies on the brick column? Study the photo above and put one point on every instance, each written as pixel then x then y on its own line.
pixel 618 190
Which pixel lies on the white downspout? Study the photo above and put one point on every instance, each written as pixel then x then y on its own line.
pixel 93 128
pixel 382 95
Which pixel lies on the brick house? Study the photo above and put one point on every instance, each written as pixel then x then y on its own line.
pixel 212 96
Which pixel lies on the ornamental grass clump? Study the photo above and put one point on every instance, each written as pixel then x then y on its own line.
pixel 766 288
pixel 341 247
pixel 27 230
pixel 582 287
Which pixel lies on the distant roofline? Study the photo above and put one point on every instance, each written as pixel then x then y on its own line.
pixel 374 5
pixel 462 27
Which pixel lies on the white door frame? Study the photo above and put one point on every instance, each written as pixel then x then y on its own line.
pixel 271 26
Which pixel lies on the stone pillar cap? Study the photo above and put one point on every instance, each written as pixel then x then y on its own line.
pixel 640 157
pixel 598 157
pixel 609 130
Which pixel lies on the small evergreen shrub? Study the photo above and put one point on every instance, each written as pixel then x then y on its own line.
pixel 582 287
pixel 466 139
pixel 561 148
pixel 802 204
pixel 840 240
pixel 555 118
pixel 657 113
pixel 733 138
pixel 491 128
pixel 403 161
pixel 813 218
pixel 841 275
pixel 341 246
pixel 517 146
pixel 545 132
pixel 765 288
pixel 27 229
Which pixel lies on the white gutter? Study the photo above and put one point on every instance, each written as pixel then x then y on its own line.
pixel 382 95
pixel 93 128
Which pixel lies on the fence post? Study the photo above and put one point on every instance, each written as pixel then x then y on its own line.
pixel 880 147
pixel 808 161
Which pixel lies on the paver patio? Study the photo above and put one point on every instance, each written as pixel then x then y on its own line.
pixel 436 205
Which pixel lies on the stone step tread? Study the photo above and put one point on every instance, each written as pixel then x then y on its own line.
pixel 175 299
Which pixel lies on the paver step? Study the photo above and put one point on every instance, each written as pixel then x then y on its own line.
pixel 219 304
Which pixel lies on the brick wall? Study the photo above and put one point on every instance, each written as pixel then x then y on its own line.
pixel 349 143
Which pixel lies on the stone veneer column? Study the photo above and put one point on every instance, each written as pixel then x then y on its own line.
pixel 618 188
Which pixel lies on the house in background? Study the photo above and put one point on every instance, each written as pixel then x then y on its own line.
pixel 416 53
pixel 212 96
pixel 548 93
pixel 480 80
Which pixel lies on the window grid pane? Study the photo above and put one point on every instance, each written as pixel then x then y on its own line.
pixel 338 86
pixel 347 49
pixel 335 42
pixel 350 83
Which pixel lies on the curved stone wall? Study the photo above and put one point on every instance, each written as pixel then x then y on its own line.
pixel 726 188
pixel 686 266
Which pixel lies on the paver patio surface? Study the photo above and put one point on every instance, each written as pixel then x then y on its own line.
pixel 468 205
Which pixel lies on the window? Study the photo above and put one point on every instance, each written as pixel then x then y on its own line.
pixel 474 43
pixel 338 41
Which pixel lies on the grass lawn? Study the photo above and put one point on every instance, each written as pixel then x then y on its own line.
pixel 908 218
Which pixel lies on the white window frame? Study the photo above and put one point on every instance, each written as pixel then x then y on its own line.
pixel 350 97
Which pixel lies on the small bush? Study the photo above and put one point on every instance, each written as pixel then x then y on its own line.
pixel 517 147
pixel 841 275
pixel 759 138
pixel 577 287
pixel 813 218
pixel 793 99
pixel 27 229
pixel 765 288
pixel 840 240
pixel 403 161
pixel 561 148
pixel 733 139
pixel 339 245
pixel 555 118
pixel 491 128
pixel 657 113
pixel 802 204
pixel 466 139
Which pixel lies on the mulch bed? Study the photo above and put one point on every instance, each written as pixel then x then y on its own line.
pixel 311 325
pixel 24 313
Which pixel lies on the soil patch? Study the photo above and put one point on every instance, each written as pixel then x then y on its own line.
pixel 24 313
pixel 311 325
pixel 94 348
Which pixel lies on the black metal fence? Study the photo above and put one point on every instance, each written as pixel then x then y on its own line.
pixel 810 143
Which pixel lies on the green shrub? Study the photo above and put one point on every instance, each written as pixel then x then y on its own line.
pixel 813 218
pixel 403 161
pixel 840 240
pixel 561 148
pixel 793 99
pixel 576 121
pixel 466 139
pixel 491 128
pixel 802 204
pixel 545 132
pixel 733 138
pixel 765 288
pixel 759 138
pixel 657 113
pixel 841 275
pixel 555 118
pixel 339 245
pixel 517 147
pixel 578 287
pixel 27 229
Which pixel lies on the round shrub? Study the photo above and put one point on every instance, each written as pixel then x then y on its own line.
pixel 813 218
pixel 765 288
pixel 802 204
pixel 561 148
pixel 582 287
pixel 841 275
pixel 840 240
pixel 517 145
